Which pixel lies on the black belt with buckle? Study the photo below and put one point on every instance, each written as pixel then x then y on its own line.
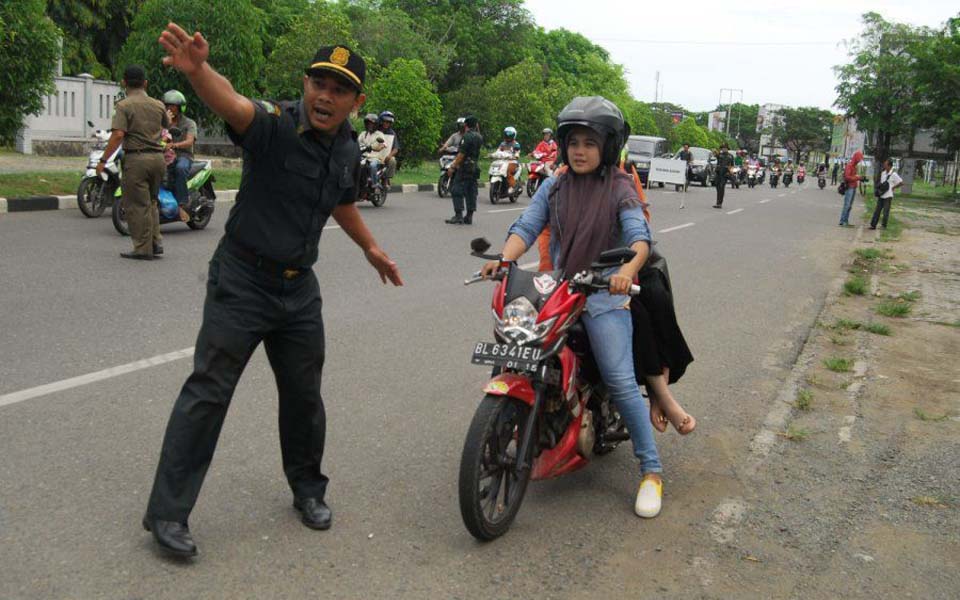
pixel 263 263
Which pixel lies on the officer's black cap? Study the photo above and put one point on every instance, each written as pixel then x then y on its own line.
pixel 134 75
pixel 342 61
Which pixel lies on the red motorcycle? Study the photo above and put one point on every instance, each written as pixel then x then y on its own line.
pixel 546 410
pixel 537 173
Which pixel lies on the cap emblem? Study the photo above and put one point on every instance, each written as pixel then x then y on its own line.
pixel 340 56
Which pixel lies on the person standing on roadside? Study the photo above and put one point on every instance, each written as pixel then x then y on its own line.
pixel 724 162
pixel 687 157
pixel 889 181
pixel 834 172
pixel 138 121
pixel 851 179
pixel 465 170
pixel 301 165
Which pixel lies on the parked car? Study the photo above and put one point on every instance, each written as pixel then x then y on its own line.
pixel 640 151
pixel 701 166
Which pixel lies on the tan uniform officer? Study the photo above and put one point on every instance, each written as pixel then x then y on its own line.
pixel 137 123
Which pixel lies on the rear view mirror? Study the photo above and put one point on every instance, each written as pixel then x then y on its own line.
pixel 614 258
pixel 479 245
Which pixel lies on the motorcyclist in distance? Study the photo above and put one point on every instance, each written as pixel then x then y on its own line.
pixel 373 145
pixel 452 145
pixel 386 126
pixel 511 145
pixel 547 151
pixel 183 131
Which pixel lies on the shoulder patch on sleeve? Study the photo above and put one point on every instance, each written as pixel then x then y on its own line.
pixel 270 107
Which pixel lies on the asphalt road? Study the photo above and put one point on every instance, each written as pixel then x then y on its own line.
pixel 76 464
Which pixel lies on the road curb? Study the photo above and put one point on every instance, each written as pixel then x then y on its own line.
pixel 36 203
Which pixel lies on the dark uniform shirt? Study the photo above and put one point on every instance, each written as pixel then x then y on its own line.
pixel 292 180
pixel 724 162
pixel 686 155
pixel 470 148
pixel 142 120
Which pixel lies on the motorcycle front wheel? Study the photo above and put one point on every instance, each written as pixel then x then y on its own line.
pixel 201 221
pixel 533 185
pixel 378 196
pixel 120 218
pixel 491 487
pixel 494 192
pixel 443 185
pixel 92 196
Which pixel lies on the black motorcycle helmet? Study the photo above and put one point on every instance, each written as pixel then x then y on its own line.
pixel 600 115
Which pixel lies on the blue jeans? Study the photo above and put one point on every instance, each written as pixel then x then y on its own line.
pixel 611 338
pixel 181 173
pixel 374 166
pixel 848 197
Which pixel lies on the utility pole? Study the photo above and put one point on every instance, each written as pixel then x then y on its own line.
pixel 730 96
pixel 656 88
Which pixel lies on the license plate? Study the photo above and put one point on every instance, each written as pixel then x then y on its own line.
pixel 510 356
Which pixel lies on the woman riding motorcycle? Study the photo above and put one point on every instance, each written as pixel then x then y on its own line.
pixel 593 207
pixel 511 145
pixel 546 151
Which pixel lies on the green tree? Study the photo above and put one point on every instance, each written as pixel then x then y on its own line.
pixel 93 33
pixel 29 48
pixel 640 118
pixel 516 97
pixel 877 86
pixel 404 88
pixel 937 69
pixel 324 24
pixel 232 27
pixel 743 124
pixel 688 132
pixel 279 17
pixel 804 130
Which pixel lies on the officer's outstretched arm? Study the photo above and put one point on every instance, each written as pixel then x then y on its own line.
pixel 188 54
pixel 349 219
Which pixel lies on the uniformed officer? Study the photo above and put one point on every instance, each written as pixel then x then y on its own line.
pixel 724 162
pixel 465 170
pixel 301 164
pixel 138 121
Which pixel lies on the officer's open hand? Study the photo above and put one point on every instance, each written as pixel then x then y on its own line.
pixel 185 53
pixel 384 266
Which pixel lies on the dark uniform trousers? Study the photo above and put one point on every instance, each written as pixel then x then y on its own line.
pixel 142 174
pixel 721 182
pixel 464 188
pixel 244 306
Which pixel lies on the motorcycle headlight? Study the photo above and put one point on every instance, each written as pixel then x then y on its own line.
pixel 519 322
pixel 643 165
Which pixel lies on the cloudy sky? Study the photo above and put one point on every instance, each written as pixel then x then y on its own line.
pixel 780 52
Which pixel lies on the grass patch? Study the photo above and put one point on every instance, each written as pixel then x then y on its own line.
pixel 855 286
pixel 911 296
pixel 65 183
pixel 921 415
pixel 814 381
pixel 838 365
pixel 895 308
pixel 872 253
pixel 931 501
pixel 804 400
pixel 877 328
pixel 845 324
pixel 839 340
pixel 428 171
pixel 795 434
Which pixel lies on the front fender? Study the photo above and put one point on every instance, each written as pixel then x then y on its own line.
pixel 512 385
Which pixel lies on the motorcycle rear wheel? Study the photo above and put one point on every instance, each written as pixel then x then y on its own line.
pixel 204 220
pixel 119 218
pixel 491 488
pixel 378 196
pixel 443 185
pixel 532 186
pixel 92 196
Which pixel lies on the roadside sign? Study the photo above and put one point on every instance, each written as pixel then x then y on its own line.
pixel 668 170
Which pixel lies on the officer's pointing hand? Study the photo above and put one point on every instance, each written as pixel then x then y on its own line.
pixel 185 53
pixel 384 266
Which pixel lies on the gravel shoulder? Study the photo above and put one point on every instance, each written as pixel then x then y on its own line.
pixel 859 495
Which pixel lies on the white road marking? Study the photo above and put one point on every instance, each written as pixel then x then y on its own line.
pixel 66 384
pixel 332 227
pixel 530 265
pixel 780 195
pixel 669 229
pixel 505 210
pixel 733 212
pixel 764 201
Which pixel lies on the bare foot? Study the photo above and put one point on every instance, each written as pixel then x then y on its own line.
pixel 657 418
pixel 683 422
pixel 184 216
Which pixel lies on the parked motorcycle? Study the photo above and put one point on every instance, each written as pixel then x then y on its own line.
pixel 537 174
pixel 376 194
pixel 443 184
pixel 499 189
pixel 96 193
pixel 545 411
pixel 200 206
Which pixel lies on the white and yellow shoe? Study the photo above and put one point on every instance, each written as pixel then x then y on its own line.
pixel 649 498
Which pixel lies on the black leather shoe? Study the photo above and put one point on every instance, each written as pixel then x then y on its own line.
pixel 157 249
pixel 468 220
pixel 316 513
pixel 174 538
pixel 136 256
pixel 455 220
